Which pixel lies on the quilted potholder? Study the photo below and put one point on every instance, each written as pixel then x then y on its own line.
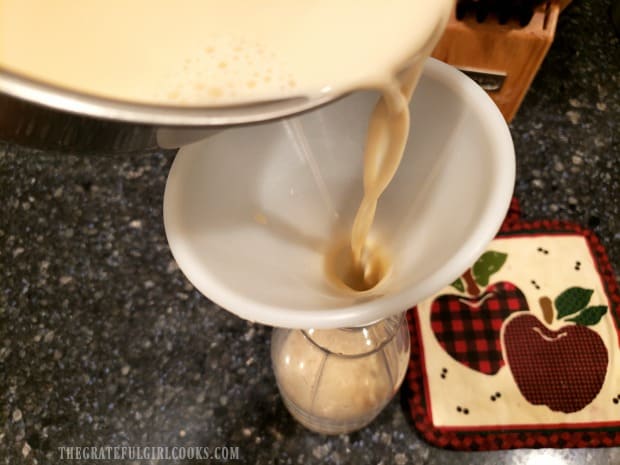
pixel 523 349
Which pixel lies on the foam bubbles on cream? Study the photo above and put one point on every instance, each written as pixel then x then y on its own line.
pixel 227 70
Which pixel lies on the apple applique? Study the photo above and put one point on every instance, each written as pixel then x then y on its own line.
pixel 563 369
pixel 468 325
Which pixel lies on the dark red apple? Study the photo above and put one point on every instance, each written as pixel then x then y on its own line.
pixel 468 328
pixel 563 369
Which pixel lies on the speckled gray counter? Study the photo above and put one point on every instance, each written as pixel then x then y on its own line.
pixel 103 341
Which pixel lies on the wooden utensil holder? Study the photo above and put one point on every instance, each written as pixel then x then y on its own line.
pixel 502 58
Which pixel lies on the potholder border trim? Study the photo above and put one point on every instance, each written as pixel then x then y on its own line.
pixel 415 389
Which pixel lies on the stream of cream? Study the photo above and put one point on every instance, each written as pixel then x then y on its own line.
pixel 214 53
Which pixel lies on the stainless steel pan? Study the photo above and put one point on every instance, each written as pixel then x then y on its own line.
pixel 40 115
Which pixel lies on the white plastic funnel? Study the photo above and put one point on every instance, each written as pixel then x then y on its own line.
pixel 248 223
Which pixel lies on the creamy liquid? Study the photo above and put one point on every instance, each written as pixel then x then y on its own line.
pixel 220 52
pixel 365 264
pixel 212 52
pixel 385 145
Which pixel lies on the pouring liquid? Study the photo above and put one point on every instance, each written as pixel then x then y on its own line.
pixel 217 53
pixel 365 264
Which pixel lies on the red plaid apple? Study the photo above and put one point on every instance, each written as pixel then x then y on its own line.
pixel 563 369
pixel 468 325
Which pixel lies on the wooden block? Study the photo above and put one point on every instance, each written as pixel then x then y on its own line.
pixel 503 58
pixel 562 4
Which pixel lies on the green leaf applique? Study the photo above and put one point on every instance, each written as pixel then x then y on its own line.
pixel 489 263
pixel 590 316
pixel 572 300
pixel 458 285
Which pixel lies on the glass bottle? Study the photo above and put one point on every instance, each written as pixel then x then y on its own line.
pixel 338 380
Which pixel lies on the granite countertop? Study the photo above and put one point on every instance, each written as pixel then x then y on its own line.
pixel 104 342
